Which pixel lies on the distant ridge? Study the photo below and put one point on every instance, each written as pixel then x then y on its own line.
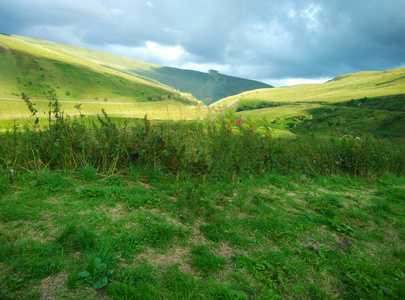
pixel 211 86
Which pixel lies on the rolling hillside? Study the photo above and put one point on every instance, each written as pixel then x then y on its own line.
pixel 352 104
pixel 35 68
pixel 210 86
pixel 342 88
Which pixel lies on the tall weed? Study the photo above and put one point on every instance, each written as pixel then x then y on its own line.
pixel 217 149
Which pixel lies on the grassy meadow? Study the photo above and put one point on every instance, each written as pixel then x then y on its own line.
pixel 122 208
pixel 113 186
pixel 86 235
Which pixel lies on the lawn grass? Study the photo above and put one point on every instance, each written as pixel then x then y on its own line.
pixel 133 235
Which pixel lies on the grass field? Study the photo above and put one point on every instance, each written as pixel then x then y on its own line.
pixel 116 208
pixel 90 236
pixel 166 110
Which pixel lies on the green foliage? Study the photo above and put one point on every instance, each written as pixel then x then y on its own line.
pixel 217 149
pixel 77 237
pixel 4 184
pixel 205 261
pixel 140 282
pixel 157 231
pixel 390 103
pixel 87 173
pixel 242 106
pixel 100 263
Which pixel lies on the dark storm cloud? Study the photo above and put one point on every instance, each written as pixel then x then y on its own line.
pixel 257 39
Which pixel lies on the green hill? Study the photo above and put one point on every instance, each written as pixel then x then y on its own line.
pixel 210 86
pixel 33 67
pixel 352 104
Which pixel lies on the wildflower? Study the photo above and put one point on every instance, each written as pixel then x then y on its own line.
pixel 229 131
pixel 255 128
pixel 209 123
pixel 223 118
pixel 204 129
pixel 213 124
pixel 239 122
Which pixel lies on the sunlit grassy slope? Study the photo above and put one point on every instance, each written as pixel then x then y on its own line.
pixel 203 86
pixel 343 88
pixel 32 68
pixel 354 104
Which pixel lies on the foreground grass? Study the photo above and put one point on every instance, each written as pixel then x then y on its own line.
pixel 130 236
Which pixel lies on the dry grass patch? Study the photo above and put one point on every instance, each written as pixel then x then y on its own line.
pixel 53 286
pixel 159 212
pixel 196 236
pixel 174 255
pixel 115 213
pixel 225 251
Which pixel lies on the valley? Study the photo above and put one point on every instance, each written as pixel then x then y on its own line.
pixel 115 183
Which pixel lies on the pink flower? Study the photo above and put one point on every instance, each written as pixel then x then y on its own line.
pixel 223 118
pixel 209 123
pixel 204 129
pixel 228 131
pixel 239 122
pixel 255 128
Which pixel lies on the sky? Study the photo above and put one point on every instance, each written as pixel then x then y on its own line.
pixel 280 42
